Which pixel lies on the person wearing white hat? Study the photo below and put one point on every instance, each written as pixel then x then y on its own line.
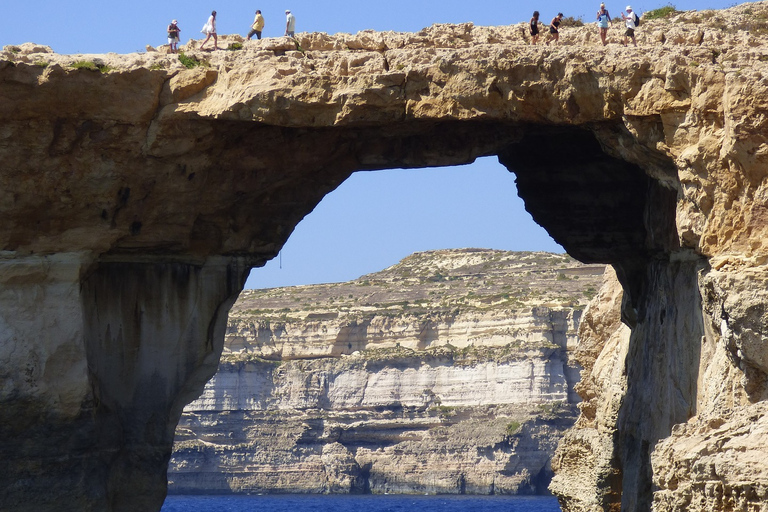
pixel 290 23
pixel 173 36
pixel 631 20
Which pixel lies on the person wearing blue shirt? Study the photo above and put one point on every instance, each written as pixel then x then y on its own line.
pixel 603 18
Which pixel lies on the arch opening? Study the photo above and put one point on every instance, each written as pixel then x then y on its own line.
pixel 600 203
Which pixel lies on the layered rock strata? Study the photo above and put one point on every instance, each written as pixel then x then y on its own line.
pixel 447 373
pixel 144 171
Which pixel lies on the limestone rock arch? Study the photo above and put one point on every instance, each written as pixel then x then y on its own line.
pixel 135 201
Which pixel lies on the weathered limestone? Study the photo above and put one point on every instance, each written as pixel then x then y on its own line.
pixel 449 372
pixel 147 172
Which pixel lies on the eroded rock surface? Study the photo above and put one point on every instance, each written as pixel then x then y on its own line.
pixel 144 171
pixel 449 372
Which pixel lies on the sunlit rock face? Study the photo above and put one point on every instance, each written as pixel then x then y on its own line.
pixel 650 159
pixel 450 372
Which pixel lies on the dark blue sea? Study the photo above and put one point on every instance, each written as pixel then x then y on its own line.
pixel 366 503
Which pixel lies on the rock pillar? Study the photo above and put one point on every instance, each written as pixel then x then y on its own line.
pixel 100 357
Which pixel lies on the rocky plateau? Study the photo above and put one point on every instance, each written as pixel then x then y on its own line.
pixel 137 193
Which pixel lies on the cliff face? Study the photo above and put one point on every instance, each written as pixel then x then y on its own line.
pixel 136 197
pixel 449 372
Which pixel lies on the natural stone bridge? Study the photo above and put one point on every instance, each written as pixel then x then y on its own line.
pixel 136 199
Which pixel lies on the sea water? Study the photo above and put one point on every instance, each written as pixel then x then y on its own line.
pixel 365 503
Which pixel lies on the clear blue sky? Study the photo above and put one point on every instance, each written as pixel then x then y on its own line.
pixel 374 219
pixel 89 26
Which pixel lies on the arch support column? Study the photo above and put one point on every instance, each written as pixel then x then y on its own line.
pixel 110 352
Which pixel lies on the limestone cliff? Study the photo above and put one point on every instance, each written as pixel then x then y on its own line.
pixel 449 372
pixel 136 195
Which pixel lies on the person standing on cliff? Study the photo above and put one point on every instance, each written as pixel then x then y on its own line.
pixel 173 36
pixel 554 28
pixel 603 18
pixel 631 19
pixel 210 30
pixel 290 23
pixel 257 26
pixel 534 27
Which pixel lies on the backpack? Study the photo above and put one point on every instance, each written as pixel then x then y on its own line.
pixel 637 19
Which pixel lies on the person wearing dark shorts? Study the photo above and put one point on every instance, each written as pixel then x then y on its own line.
pixel 534 27
pixel 631 20
pixel 554 30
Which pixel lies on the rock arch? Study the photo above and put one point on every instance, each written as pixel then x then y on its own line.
pixel 136 200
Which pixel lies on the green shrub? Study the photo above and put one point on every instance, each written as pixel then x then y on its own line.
pixel 570 21
pixel 41 63
pixel 235 46
pixel 190 61
pixel 513 428
pixel 85 64
pixel 91 66
pixel 662 12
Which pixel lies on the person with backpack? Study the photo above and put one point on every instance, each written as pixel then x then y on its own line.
pixel 632 20
pixel 173 36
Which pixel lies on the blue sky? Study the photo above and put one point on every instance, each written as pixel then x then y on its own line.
pixel 374 219
pixel 89 26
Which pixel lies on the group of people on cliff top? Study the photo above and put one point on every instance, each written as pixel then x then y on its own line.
pixel 209 29
pixel 631 19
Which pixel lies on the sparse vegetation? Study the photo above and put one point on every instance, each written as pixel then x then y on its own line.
pixel 662 12
pixel 513 428
pixel 91 66
pixel 235 46
pixel 190 61
pixel 85 64
pixel 41 64
pixel 570 21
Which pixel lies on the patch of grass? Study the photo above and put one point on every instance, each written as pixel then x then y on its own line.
pixel 85 64
pixel 235 46
pixel 513 428
pixel 298 47
pixel 190 61
pixel 41 64
pixel 156 67
pixel 91 66
pixel 660 13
